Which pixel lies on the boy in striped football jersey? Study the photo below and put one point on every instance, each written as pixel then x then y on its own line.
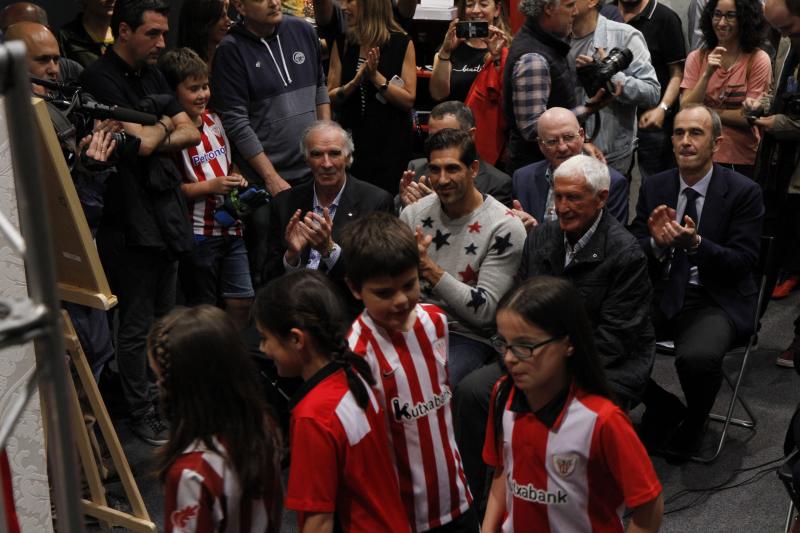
pixel 218 266
pixel 405 344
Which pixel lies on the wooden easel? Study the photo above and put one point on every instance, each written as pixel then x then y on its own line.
pixel 81 280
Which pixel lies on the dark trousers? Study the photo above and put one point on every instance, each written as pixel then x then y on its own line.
pixel 144 281
pixel 703 334
pixel 470 412
pixel 654 153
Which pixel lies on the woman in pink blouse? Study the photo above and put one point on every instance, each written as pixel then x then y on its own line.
pixel 730 68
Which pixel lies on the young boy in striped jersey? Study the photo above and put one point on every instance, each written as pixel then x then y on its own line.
pixel 218 267
pixel 405 344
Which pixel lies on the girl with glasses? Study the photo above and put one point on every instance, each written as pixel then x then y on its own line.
pixel 565 456
pixel 730 68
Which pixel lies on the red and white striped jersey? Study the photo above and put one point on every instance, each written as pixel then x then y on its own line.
pixel 203 495
pixel 341 462
pixel 410 369
pixel 578 474
pixel 211 158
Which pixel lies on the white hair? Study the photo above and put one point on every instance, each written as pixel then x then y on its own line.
pixel 319 125
pixel 593 171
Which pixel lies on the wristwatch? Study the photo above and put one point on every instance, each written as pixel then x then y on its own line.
pixel 664 106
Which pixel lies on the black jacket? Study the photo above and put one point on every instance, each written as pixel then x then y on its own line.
pixel 532 38
pixel 611 274
pixel 358 198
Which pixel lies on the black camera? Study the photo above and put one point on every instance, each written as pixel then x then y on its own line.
pixel 597 74
pixel 81 109
pixel 238 204
pixel 472 29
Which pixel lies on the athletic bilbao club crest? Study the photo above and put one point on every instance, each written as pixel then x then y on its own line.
pixel 565 464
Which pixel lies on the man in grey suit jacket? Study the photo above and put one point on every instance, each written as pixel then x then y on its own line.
pixel 560 137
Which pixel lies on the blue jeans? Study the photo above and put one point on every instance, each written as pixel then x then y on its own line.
pixel 217 267
pixel 465 356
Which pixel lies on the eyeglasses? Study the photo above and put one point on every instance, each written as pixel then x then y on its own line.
pixel 729 16
pixel 566 139
pixel 522 350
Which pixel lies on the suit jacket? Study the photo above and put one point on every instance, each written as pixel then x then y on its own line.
pixel 611 274
pixel 730 231
pixel 530 188
pixel 358 198
pixel 489 180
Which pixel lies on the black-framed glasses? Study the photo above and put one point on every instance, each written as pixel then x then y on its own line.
pixel 521 350
pixel 730 16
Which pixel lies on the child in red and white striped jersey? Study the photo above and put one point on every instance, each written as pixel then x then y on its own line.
pixel 218 267
pixel 220 465
pixel 566 457
pixel 341 474
pixel 405 344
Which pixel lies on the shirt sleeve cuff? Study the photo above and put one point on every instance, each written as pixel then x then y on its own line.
pixel 292 268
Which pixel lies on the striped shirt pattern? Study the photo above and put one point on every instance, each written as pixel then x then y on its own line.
pixel 575 476
pixel 211 158
pixel 412 382
pixel 203 496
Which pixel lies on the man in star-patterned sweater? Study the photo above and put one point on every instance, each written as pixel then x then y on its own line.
pixel 470 249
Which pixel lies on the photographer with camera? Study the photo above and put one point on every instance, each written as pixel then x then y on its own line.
pixel 605 53
pixel 537 76
pixel 87 157
pixel 145 227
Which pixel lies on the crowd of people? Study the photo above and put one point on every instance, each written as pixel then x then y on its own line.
pixel 465 329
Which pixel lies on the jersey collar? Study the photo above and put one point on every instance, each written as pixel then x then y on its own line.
pixel 550 414
pixel 313 381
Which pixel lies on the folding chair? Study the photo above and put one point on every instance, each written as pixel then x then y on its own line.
pixel 785 475
pixel 765 256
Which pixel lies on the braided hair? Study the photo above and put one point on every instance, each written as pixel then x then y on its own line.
pixel 209 390
pixel 307 300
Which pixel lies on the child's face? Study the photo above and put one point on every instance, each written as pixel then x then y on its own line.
pixel 193 94
pixel 287 361
pixel 546 370
pixel 391 299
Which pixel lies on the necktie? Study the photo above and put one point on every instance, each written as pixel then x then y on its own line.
pixel 675 289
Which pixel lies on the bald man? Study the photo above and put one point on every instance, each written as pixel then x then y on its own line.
pixel 22 12
pixel 42 51
pixel 560 137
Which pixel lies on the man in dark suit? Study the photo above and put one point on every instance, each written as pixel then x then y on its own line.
pixel 306 220
pixel 700 226
pixel 560 137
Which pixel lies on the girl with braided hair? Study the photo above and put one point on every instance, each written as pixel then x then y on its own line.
pixel 565 456
pixel 220 465
pixel 341 464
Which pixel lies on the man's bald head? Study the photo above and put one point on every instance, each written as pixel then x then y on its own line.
pixel 42 50
pixel 560 135
pixel 22 12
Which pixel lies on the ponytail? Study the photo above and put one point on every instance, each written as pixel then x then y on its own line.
pixel 308 301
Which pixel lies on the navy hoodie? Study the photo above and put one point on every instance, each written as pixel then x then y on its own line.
pixel 266 91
